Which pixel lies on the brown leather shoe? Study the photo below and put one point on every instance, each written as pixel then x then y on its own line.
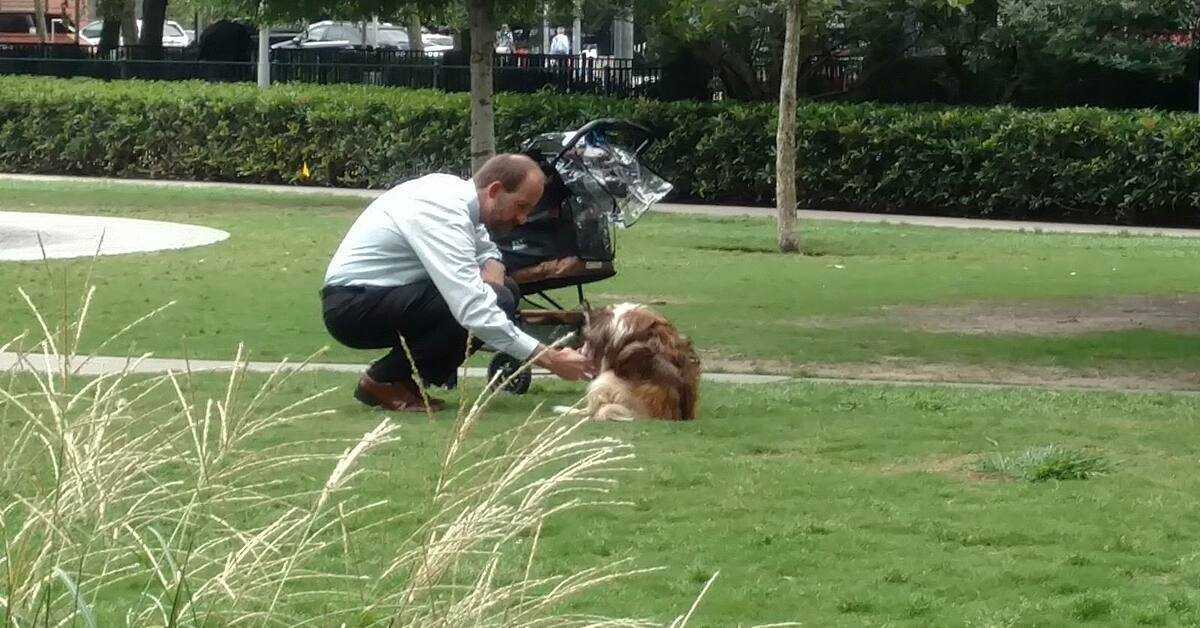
pixel 402 396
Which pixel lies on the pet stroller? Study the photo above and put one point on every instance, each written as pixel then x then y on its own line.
pixel 595 183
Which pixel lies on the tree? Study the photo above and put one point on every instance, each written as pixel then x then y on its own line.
pixel 154 14
pixel 804 21
pixel 481 35
pixel 415 43
pixel 39 16
pixel 128 18
pixel 785 136
pixel 1109 34
pixel 483 116
pixel 120 22
pixel 989 51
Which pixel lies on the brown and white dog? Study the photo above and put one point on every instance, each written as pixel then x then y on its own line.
pixel 646 369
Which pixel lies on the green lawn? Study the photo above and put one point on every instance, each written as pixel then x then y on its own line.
pixel 829 505
pixel 718 279
pixel 836 505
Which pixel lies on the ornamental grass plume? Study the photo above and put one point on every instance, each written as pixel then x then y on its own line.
pixel 135 499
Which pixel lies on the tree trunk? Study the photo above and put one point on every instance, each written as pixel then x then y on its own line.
pixel 129 30
pixel 483 46
pixel 785 137
pixel 415 43
pixel 263 57
pixel 154 14
pixel 577 28
pixel 545 28
pixel 39 16
pixel 110 35
pixel 623 31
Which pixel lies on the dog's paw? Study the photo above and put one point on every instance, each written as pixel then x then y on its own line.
pixel 613 412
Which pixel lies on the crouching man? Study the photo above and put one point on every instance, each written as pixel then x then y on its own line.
pixel 419 264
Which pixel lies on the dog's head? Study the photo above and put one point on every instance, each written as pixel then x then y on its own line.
pixel 615 326
pixel 639 344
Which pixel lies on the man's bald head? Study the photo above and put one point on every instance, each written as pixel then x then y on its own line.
pixel 510 169
pixel 509 187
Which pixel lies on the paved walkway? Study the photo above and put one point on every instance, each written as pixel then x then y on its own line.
pixel 153 366
pixel 102 365
pixel 674 208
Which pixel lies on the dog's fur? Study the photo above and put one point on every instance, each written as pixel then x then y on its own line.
pixel 646 369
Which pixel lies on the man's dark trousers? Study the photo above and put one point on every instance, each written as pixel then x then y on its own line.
pixel 363 317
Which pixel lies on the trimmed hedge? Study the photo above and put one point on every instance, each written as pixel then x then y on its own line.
pixel 1131 167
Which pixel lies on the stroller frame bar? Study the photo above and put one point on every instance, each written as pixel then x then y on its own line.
pixel 551 301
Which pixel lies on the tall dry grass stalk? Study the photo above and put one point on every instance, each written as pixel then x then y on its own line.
pixel 127 492
pixel 127 499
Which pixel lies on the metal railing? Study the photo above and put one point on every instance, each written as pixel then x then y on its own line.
pixel 395 68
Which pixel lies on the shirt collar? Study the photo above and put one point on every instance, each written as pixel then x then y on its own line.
pixel 472 201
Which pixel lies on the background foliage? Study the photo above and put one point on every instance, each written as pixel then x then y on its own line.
pixel 1123 167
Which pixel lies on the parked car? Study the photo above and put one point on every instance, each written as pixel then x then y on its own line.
pixel 173 34
pixel 328 34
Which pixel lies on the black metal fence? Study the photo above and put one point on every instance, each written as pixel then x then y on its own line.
pixel 395 68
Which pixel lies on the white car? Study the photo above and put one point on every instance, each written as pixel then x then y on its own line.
pixel 173 35
pixel 330 34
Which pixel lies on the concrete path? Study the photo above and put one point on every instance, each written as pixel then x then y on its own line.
pixel 27 236
pixel 102 365
pixel 670 208
pixel 12 362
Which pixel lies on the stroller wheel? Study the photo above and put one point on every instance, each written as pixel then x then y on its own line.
pixel 506 366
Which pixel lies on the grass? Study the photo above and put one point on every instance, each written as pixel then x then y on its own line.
pixel 161 502
pixel 1051 462
pixel 839 505
pixel 727 289
pixel 825 504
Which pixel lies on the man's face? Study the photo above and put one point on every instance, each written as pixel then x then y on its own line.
pixel 510 209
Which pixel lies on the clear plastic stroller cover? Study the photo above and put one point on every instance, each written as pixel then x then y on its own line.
pixel 607 177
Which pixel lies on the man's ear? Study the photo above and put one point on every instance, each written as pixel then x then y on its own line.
pixel 494 189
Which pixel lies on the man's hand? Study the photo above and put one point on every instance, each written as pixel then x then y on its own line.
pixel 568 364
pixel 493 272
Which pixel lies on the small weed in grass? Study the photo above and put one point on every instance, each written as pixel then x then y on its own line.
pixel 1149 618
pixel 816 529
pixel 700 575
pixel 1052 462
pixel 856 604
pixel 1180 604
pixel 919 604
pixel 895 576
pixel 1091 606
pixel 1078 560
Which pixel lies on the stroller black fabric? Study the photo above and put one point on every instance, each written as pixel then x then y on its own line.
pixel 592 186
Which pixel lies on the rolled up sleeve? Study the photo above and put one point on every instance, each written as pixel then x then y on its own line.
pixel 485 249
pixel 450 254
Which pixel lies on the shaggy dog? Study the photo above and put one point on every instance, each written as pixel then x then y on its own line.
pixel 646 369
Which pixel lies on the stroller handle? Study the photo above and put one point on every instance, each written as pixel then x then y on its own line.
pixel 606 124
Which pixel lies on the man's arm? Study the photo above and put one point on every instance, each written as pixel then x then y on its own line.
pixel 485 249
pixel 568 364
pixel 447 251
pixel 493 272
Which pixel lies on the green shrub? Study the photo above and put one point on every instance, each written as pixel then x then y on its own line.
pixel 1052 462
pixel 1131 167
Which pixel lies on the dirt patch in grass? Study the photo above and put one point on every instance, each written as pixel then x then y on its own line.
pixel 910 371
pixel 1060 317
pixel 644 299
pixel 714 362
pixel 903 370
pixel 960 467
pixel 1178 314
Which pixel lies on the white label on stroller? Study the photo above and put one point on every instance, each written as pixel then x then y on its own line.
pixel 593 265
pixel 517 245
